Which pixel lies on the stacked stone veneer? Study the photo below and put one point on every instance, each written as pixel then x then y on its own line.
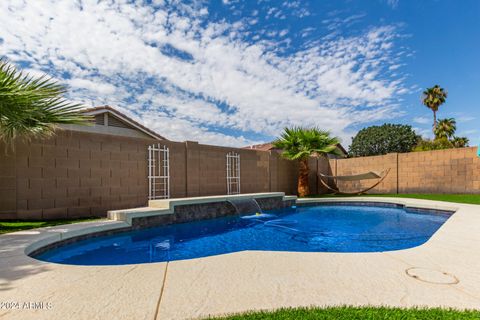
pixel 202 211
pixel 442 171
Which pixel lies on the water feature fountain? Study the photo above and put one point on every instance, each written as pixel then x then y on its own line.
pixel 250 209
pixel 246 206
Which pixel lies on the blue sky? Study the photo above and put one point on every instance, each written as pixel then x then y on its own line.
pixel 236 73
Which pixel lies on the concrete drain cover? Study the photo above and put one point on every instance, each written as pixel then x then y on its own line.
pixel 431 275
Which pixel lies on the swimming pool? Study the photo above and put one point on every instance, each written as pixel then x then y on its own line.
pixel 320 228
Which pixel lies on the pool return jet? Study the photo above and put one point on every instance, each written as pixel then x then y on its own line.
pixel 357 177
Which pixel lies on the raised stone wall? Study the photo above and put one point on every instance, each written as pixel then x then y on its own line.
pixel 201 211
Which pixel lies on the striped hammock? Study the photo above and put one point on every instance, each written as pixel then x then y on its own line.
pixel 356 177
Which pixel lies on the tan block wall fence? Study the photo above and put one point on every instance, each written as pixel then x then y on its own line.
pixel 442 171
pixel 78 174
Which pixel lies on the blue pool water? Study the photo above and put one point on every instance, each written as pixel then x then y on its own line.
pixel 307 229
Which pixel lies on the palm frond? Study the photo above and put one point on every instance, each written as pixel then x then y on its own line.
pixel 445 128
pixel 33 107
pixel 300 143
pixel 434 97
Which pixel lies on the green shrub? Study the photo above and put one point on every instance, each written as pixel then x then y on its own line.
pixel 440 144
pixel 436 144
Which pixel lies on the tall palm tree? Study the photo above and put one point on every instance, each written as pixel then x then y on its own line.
pixel 445 128
pixel 299 144
pixel 433 98
pixel 32 107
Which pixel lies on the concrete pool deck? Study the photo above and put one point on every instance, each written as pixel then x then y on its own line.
pixel 443 272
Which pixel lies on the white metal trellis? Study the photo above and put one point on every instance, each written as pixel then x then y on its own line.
pixel 158 172
pixel 233 173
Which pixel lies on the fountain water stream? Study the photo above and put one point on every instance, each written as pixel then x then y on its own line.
pixel 246 206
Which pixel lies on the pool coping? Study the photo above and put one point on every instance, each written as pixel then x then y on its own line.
pixel 406 202
pixel 99 231
pixel 452 240
pixel 124 218
pixel 447 208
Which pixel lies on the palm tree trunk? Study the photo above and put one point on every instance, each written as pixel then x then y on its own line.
pixel 434 122
pixel 303 189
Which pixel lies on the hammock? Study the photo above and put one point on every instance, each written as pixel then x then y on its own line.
pixel 356 177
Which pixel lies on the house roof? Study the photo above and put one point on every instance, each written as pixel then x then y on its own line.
pixel 108 109
pixel 269 146
pixel 344 151
pixel 262 147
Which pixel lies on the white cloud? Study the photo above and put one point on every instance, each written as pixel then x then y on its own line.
pixel 98 87
pixel 392 3
pixel 468 132
pixel 425 133
pixel 465 119
pixel 422 120
pixel 283 33
pixel 190 78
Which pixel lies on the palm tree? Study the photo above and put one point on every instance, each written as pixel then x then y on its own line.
pixel 32 107
pixel 445 128
pixel 300 143
pixel 433 98
pixel 460 142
